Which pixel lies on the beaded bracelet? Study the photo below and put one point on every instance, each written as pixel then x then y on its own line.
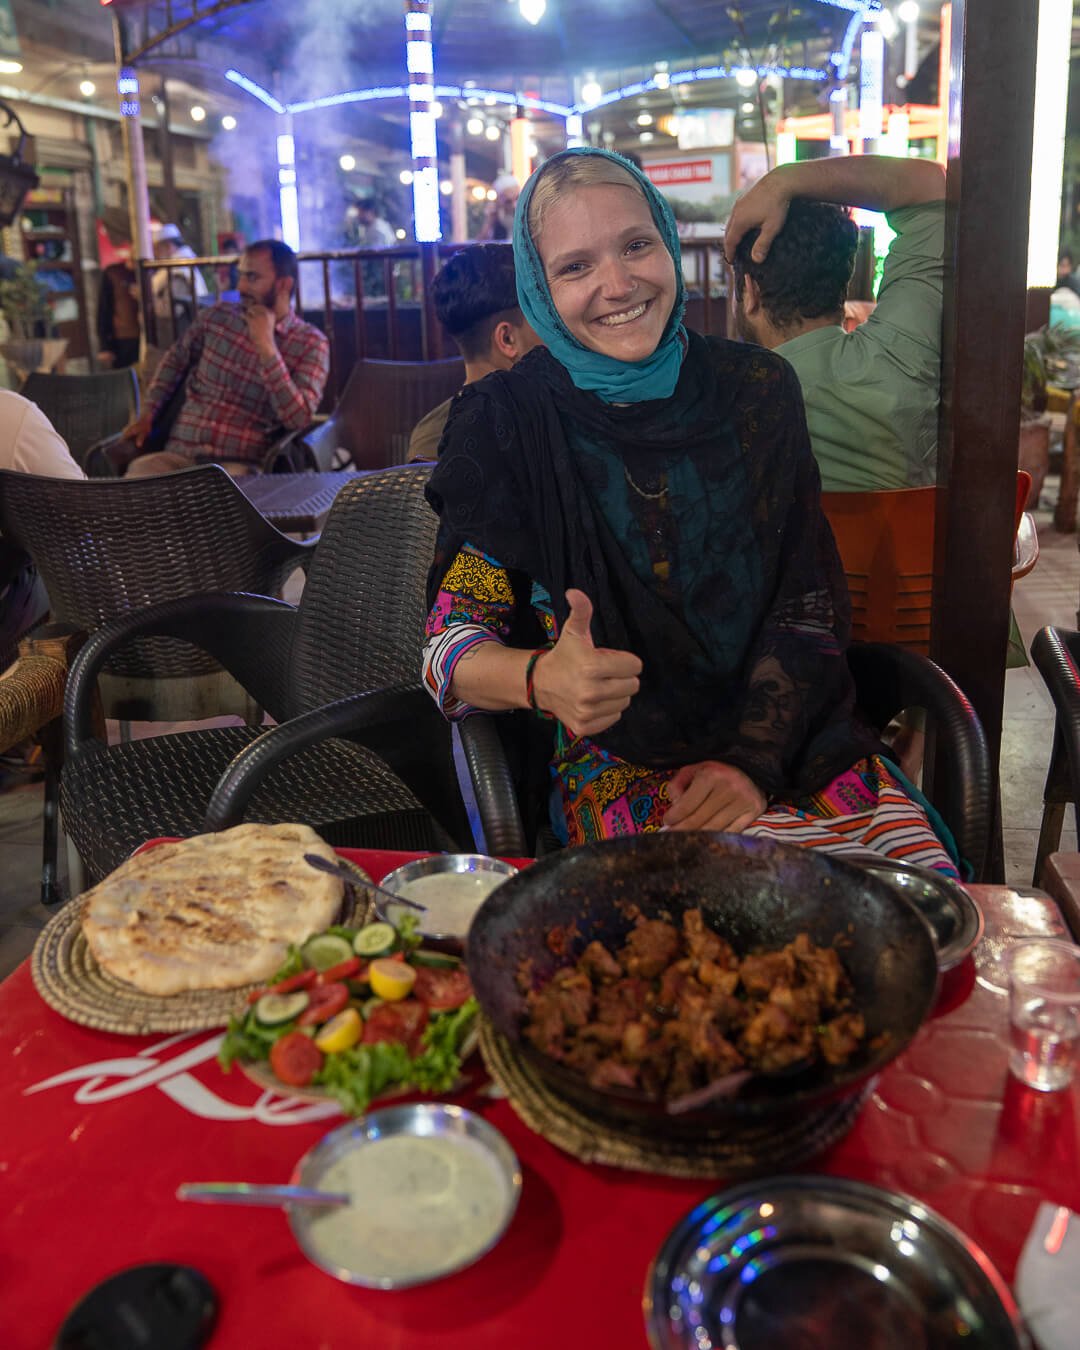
pixel 530 681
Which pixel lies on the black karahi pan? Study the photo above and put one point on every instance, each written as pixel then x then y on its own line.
pixel 757 894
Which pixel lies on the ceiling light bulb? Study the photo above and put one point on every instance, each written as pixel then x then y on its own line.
pixel 908 12
pixel 87 88
pixel 399 234
pixel 661 79
pixel 436 109
pixel 405 177
pixel 475 126
pixel 644 119
pixel 532 11
pixel 748 107
pixel 645 137
pixel 347 163
pixel 198 113
pixel 228 122
pixel 490 101
pixel 493 133
pixel 492 195
pixel 8 67
pixel 446 187
pixel 591 92
pixel 745 77
pixel 479 193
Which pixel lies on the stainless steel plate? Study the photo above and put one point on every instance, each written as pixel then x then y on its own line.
pixel 818 1263
pixel 955 920
pixel 421 1120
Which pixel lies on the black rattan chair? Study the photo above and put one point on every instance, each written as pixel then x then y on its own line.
pixel 341 669
pixel 1056 652
pixel 105 548
pixel 381 403
pixel 85 408
pixel 505 754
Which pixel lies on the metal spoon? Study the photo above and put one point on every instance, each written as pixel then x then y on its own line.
pixel 338 870
pixel 249 1193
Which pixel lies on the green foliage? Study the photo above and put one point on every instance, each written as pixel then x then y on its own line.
pixel 24 303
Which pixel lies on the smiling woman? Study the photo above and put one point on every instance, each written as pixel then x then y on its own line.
pixel 632 545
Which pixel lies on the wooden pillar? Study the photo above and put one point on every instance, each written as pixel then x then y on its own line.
pixel 989 169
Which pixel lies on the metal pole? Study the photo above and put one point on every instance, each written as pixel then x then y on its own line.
pixel 459 206
pixel 127 86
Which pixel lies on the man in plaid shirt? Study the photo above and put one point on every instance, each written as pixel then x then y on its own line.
pixel 252 370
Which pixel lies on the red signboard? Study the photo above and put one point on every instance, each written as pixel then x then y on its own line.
pixel 681 171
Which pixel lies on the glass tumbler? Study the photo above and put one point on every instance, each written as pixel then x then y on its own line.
pixel 1044 1011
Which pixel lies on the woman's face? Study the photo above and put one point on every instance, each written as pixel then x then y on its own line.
pixel 612 279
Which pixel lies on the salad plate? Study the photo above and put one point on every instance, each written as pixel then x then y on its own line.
pixel 357 1015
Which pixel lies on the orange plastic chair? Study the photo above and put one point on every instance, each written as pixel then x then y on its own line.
pixel 886 543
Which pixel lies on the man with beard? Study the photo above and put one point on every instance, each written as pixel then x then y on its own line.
pixel 872 394
pixel 250 371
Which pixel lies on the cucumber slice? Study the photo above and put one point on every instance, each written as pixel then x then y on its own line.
pixel 325 950
pixel 273 1009
pixel 369 1006
pixel 437 960
pixel 375 940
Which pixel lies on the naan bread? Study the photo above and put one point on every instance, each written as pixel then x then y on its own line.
pixel 214 912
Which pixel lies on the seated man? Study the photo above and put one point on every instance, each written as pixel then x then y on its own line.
pixel 251 370
pixel 29 443
pixel 476 302
pixel 872 394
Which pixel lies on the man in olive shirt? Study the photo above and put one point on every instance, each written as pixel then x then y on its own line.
pixel 475 297
pixel 871 395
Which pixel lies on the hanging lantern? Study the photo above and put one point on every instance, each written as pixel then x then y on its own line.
pixel 16 177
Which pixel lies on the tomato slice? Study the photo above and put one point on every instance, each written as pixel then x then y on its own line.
pixel 289 985
pixel 326 1001
pixel 295 1059
pixel 441 990
pixel 344 970
pixel 402 1022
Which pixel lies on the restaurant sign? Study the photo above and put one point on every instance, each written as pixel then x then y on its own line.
pixel 680 171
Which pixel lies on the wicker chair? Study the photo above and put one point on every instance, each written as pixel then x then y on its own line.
pixel 504 755
pixel 344 664
pixel 381 403
pixel 85 408
pixel 106 547
pixel 1056 652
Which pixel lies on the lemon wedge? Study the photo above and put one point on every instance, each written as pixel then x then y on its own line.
pixel 391 980
pixel 341 1032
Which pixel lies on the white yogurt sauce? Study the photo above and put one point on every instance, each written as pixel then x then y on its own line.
pixel 420 1206
pixel 450 898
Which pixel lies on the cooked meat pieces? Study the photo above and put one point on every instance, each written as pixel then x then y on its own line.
pixel 675 1009
pixel 651 946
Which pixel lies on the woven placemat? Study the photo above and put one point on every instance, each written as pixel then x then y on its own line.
pixel 73 984
pixel 738 1150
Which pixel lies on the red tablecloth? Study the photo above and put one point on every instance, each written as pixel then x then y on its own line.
pixel 99 1130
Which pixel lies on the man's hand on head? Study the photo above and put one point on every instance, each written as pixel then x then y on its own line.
pixel 260 326
pixel 764 207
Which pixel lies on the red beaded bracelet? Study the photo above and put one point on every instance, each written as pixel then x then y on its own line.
pixel 530 680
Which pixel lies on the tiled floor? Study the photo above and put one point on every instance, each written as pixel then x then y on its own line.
pixel 1049 594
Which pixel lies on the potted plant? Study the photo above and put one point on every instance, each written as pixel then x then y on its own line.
pixel 30 341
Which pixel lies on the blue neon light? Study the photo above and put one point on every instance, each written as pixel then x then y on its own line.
pixel 255 90
pixel 842 58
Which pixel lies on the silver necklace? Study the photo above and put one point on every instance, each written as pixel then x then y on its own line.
pixel 649 496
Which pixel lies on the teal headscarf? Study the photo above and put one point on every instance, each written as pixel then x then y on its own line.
pixel 612 380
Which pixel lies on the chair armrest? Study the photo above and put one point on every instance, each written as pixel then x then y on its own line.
pixel 250 635
pixel 290 453
pixel 350 717
pixel 1025 547
pixel 889 679
pixel 110 457
pixel 31 695
pixel 493 787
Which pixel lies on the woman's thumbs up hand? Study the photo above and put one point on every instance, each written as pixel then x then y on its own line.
pixel 587 688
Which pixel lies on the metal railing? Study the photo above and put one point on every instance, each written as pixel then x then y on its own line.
pixel 377 302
